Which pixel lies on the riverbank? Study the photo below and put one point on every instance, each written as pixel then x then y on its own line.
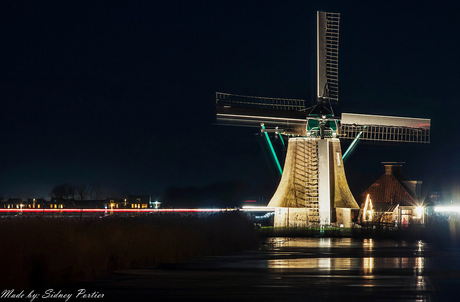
pixel 442 232
pixel 38 252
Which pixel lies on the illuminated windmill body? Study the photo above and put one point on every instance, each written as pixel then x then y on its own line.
pixel 313 187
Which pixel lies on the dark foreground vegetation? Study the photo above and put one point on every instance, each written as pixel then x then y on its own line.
pixel 38 252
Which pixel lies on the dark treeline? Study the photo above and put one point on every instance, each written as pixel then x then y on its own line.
pixel 80 191
pixel 218 195
pixel 227 194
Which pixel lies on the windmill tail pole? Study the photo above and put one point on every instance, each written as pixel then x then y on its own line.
pixel 272 150
pixel 353 144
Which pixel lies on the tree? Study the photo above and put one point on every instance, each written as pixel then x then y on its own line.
pixel 83 190
pixel 63 191
pixel 95 190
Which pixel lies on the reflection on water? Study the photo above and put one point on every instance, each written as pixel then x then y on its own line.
pixel 366 264
pixel 286 242
pixel 337 268
pixel 347 254
pixel 383 267
pixel 368 243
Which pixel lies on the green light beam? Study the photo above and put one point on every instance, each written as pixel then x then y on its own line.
pixel 273 151
pixel 352 144
pixel 282 140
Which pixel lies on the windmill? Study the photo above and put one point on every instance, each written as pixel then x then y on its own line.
pixel 313 188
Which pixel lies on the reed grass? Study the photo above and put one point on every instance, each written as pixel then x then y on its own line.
pixel 38 252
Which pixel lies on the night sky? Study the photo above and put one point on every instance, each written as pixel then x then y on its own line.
pixel 121 93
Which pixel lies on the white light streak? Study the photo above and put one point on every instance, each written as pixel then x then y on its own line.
pixel 447 209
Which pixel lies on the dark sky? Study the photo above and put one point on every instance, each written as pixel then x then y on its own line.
pixel 122 92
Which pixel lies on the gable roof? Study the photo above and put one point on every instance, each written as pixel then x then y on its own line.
pixel 384 207
pixel 390 188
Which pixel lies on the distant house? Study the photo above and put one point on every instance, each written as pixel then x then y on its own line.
pixel 115 203
pixel 139 201
pixel 13 203
pixel 29 203
pixel 58 203
pixel 35 203
pixel 131 202
pixel 392 199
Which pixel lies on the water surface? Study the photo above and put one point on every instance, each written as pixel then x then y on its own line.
pixel 302 269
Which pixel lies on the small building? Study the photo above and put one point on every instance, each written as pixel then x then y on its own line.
pixel 31 203
pixel 35 203
pixel 58 203
pixel 392 199
pixel 115 203
pixel 13 203
pixel 139 201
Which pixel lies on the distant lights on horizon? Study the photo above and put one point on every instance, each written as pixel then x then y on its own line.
pixel 148 210
pixel 418 211
pixel 110 210
pixel 267 215
pixel 257 208
pixel 447 209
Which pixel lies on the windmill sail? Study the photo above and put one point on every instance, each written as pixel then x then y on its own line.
pixel 328 54
pixel 385 128
pixel 289 115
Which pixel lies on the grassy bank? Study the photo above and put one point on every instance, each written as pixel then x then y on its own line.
pixel 37 252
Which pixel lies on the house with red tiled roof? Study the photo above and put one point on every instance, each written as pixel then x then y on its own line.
pixel 392 199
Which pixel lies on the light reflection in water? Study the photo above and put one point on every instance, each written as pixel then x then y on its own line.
pixel 326 264
pixel 325 242
pixel 419 265
pixel 368 244
pixel 303 242
pixel 287 242
pixel 366 264
pixel 421 283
